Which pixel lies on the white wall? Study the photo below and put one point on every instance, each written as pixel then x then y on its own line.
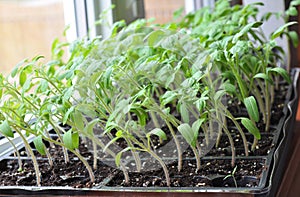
pixel 273 23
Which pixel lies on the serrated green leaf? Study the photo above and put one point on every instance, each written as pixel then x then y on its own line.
pixel 248 124
pixel 39 145
pixel 251 106
pixel 5 129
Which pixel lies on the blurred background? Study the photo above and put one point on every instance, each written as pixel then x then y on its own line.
pixel 28 27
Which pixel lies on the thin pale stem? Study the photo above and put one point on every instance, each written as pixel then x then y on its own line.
pixel 197 156
pixel 177 145
pixel 95 155
pixel 50 160
pixel 33 158
pixel 17 152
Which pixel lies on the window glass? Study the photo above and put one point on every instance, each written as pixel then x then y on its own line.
pixel 27 29
pixel 162 10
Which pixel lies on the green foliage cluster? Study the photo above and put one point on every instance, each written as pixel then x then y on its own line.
pixel 145 78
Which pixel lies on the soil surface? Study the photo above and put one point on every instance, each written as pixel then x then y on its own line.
pixel 213 173
pixel 73 173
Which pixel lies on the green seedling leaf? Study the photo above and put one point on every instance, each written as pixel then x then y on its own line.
pixel 27 85
pixel 168 97
pixel 187 133
pixel 178 13
pixel 197 124
pixel 252 108
pixel 295 2
pixel 201 103
pixel 292 11
pixel 281 29
pixel 66 116
pixel 5 129
pixel 71 140
pixel 43 86
pixel 36 58
pixel 142 116
pixel 282 72
pixel 229 88
pixel 248 124
pixel 196 127
pixel 89 128
pixel 245 30
pixel 158 132
pixel 39 145
pixel 266 16
pixel 67 93
pixel 119 156
pixel 264 77
pixel 155 36
pixel 16 68
pixel 22 77
pixel 219 94
pixel 111 142
pixel 75 139
pixel 294 38
pixel 87 110
pixel 67 139
pixel 78 120
pixel 184 113
pixel 119 133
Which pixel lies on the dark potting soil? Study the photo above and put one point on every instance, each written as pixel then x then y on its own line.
pixel 73 173
pixel 213 173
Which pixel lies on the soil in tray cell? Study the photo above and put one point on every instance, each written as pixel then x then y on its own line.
pixel 212 174
pixel 73 173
